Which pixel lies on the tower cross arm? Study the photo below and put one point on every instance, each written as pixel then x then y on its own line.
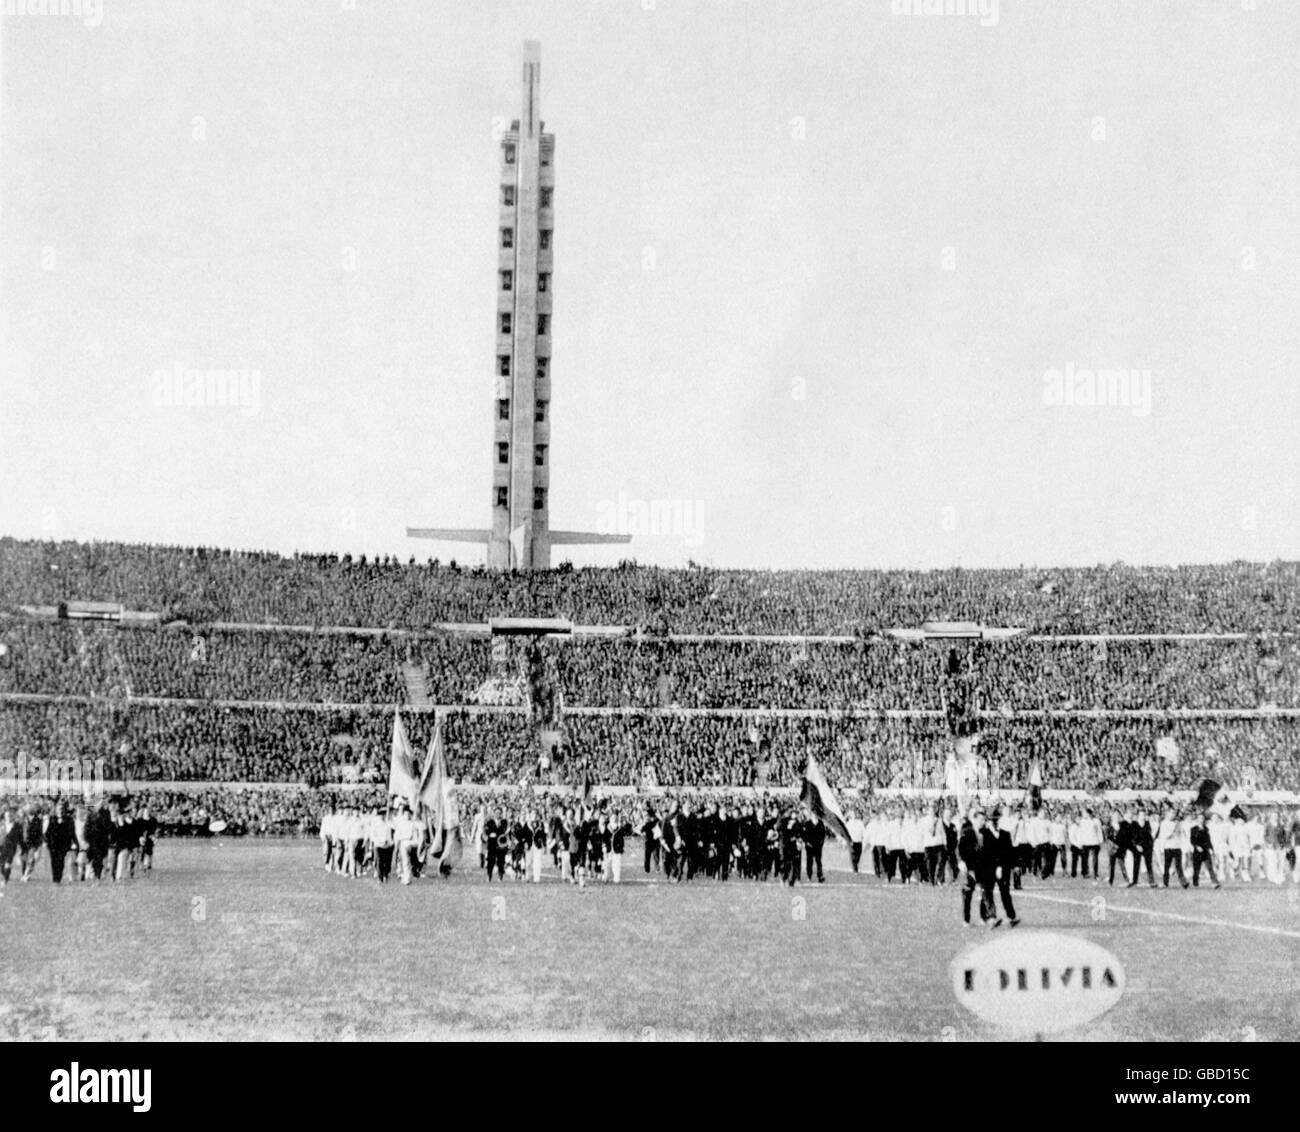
pixel 585 538
pixel 449 534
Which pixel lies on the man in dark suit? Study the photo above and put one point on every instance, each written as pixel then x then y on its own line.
pixel 669 839
pixel 496 834
pixel 521 841
pixel 650 838
pixel 708 835
pixel 814 837
pixel 771 855
pixel 688 842
pixel 100 834
pixel 58 839
pixel 122 841
pixel 1001 854
pixel 1143 846
pixel 728 840
pixel 148 826
pixel 970 862
pixel 950 837
pixel 1126 842
pixel 1202 851
pixel 791 848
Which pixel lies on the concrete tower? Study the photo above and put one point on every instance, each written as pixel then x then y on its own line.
pixel 521 441
pixel 520 533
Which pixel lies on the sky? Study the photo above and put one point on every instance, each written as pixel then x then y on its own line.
pixel 833 280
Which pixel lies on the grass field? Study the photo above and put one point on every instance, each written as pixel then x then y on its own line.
pixel 256 940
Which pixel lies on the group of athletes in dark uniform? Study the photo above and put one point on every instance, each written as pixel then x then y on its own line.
pixel 714 842
pixel 753 842
pixel 107 841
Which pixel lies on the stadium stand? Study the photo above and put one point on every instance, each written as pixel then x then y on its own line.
pixel 207 585
pixel 266 669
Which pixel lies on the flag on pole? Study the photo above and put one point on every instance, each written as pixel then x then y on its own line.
pixel 817 795
pixel 401 768
pixel 957 781
pixel 437 805
pixel 1036 784
pixel 586 799
pixel 1213 797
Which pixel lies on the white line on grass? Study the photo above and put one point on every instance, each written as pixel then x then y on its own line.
pixel 1166 915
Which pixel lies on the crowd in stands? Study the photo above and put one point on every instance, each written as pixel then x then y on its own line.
pixel 204 585
pixel 627 672
pixel 667 748
pixel 645 706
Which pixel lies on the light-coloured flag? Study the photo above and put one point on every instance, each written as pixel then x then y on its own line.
pixel 437 805
pixel 956 780
pixel 1167 749
pixel 401 768
pixel 816 793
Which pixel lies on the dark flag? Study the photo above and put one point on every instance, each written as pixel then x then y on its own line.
pixel 1208 793
pixel 817 795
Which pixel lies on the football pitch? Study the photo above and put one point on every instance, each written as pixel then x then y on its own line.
pixel 242 939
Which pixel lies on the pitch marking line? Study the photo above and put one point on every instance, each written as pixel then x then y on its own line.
pixel 1165 915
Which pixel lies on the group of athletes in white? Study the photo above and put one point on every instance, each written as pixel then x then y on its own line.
pixel 916 842
pixel 357 842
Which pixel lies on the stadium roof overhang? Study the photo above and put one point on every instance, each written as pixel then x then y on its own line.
pixel 954 631
pixel 530 626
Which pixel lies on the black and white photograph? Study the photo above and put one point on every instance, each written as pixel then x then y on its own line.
pixel 651 521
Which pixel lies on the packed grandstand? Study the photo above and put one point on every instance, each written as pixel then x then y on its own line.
pixel 281 674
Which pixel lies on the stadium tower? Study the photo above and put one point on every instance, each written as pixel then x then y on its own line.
pixel 520 534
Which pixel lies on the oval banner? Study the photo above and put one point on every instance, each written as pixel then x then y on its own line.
pixel 1037 982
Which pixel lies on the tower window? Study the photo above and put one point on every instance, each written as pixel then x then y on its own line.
pixel 539 455
pixel 503 497
pixel 508 195
pixel 543 324
pixel 544 239
pixel 540 415
pixel 546 197
pixel 539 499
pixel 507 280
pixel 505 322
pixel 510 154
pixel 503 453
pixel 503 409
pixel 507 237
pixel 546 156
pixel 544 281
pixel 503 365
pixel 543 368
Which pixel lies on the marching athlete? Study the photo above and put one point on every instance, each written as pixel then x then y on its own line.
pixel 996 842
